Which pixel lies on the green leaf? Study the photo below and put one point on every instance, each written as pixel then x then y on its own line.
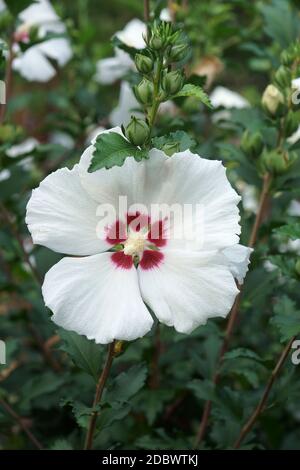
pixel 193 90
pixel 285 264
pixel 242 353
pixel 286 318
pixel 183 139
pixel 127 384
pixel 16 6
pixel 111 149
pixel 85 353
pixel 290 230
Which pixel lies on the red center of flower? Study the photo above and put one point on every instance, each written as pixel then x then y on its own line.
pixel 137 241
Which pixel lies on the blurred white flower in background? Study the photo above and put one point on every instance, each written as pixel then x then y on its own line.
pixel 226 98
pixel 27 146
pixel 249 196
pixel 34 63
pixel 128 106
pixel 113 68
pixel 294 208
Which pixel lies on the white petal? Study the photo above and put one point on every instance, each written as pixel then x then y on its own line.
pixel 294 208
pixel 165 15
pixel 33 66
pixel 62 216
pixel 132 34
pixel 238 259
pixel 58 49
pixel 26 146
pixel 184 180
pixel 38 13
pixel 187 288
pixel 2 6
pixel 296 83
pixel 94 298
pixel 222 96
pixel 112 69
pixel 127 107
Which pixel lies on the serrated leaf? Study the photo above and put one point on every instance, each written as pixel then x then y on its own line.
pixel 290 230
pixel 183 139
pixel 127 384
pixel 111 149
pixel 85 353
pixel 242 353
pixel 193 90
pixel 286 318
pixel 285 264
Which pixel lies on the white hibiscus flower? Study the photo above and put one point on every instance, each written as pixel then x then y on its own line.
pixel 102 290
pixel 113 68
pixel 35 63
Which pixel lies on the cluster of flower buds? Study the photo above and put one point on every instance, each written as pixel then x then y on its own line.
pixel 252 144
pixel 281 108
pixel 159 82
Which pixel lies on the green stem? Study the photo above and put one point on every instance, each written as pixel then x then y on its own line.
pixel 156 100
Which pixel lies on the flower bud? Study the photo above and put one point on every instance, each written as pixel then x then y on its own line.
pixel 144 91
pixel 143 63
pixel 137 131
pixel 287 58
pixel 178 52
pixel 252 143
pixel 283 77
pixel 156 43
pixel 291 123
pixel 278 162
pixel 271 100
pixel 172 82
pixel 171 148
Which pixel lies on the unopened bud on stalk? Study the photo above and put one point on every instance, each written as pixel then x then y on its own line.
pixel 178 52
pixel 271 100
pixel 287 58
pixel 252 143
pixel 156 43
pixel 283 77
pixel 137 131
pixel 144 91
pixel 171 148
pixel 172 82
pixel 277 162
pixel 143 63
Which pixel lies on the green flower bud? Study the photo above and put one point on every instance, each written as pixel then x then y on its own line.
pixel 144 91
pixel 297 267
pixel 283 77
pixel 291 123
pixel 252 143
pixel 278 162
pixel 143 63
pixel 171 148
pixel 178 52
pixel 156 43
pixel 287 58
pixel 172 82
pixel 137 131
pixel 272 99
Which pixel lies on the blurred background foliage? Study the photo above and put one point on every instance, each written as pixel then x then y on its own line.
pixel 159 384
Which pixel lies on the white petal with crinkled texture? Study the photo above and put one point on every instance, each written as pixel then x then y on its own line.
pixel 133 34
pixel 38 13
pixel 62 216
pixel 238 259
pixel 113 68
pixel 96 299
pixel 187 288
pixel 128 106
